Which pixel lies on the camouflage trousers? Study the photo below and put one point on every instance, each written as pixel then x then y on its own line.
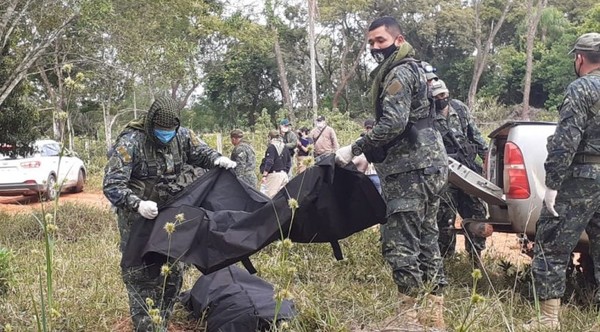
pixel 147 288
pixel 578 207
pixel 454 201
pixel 410 236
pixel 151 295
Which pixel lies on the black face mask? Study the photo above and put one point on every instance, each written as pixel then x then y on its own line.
pixel 380 54
pixel 440 104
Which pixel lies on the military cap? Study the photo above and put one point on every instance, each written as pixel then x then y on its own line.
pixel 431 76
pixel 320 118
pixel 438 87
pixel 284 122
pixel 236 133
pixel 589 42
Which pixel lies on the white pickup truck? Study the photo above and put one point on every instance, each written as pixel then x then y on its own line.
pixel 513 183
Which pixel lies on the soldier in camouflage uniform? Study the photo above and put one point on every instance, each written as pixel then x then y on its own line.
pixel 143 165
pixel 243 154
pixel 463 142
pixel 413 173
pixel 572 199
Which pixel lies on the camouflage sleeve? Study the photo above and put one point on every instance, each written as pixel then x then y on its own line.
pixel 198 153
pixel 475 136
pixel 569 132
pixel 397 98
pixel 117 173
pixel 292 140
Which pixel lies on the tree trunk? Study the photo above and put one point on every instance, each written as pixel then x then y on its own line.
pixel 347 75
pixel 107 126
pixel 312 4
pixel 285 87
pixel 483 52
pixel 533 21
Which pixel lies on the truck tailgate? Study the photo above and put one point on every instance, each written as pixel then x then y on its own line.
pixel 474 184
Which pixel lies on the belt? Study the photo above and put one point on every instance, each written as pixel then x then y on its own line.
pixel 282 171
pixel 586 159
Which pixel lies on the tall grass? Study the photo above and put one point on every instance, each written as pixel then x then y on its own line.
pixel 329 295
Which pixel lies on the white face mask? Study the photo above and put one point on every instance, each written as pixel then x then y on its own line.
pixel 320 124
pixel 284 129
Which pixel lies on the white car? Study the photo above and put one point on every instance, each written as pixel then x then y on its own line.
pixel 42 173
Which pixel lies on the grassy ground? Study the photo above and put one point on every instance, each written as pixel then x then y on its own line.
pixel 354 294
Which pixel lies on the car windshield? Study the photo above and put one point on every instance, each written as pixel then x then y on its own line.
pixel 50 150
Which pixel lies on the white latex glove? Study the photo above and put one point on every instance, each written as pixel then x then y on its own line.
pixel 148 209
pixel 225 162
pixel 343 155
pixel 549 199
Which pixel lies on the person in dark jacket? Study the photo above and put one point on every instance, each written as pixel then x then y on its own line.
pixel 277 164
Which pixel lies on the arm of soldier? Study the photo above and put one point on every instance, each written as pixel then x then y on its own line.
pixel 292 140
pixel 563 144
pixel 397 97
pixel 117 174
pixel 474 135
pixel 198 153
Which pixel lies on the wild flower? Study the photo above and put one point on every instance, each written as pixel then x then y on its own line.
pixel 169 228
pixel 310 148
pixel 476 274
pixel 67 67
pixel 179 217
pixel 287 244
pixel 293 203
pixel 309 161
pixel 79 76
pixel 476 298
pixel 282 294
pixel 165 270
pixel 149 302
pixel 157 320
pixel 284 325
pixel 51 228
pixel 49 218
pixel 8 328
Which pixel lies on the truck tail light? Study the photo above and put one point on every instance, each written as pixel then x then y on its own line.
pixel 31 164
pixel 516 184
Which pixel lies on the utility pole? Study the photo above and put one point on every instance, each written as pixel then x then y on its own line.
pixel 312 6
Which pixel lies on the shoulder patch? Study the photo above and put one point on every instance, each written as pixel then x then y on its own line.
pixel 124 154
pixel 394 87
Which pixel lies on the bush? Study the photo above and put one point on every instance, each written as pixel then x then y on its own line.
pixel 6 270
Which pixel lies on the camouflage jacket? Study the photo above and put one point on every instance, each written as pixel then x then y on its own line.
pixel 578 129
pixel 402 100
pixel 245 157
pixel 464 129
pixel 128 176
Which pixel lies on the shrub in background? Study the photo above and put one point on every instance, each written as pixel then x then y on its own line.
pixel 6 270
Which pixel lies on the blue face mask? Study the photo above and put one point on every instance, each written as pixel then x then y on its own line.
pixel 164 136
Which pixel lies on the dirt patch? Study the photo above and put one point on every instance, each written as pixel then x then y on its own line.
pixel 15 204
